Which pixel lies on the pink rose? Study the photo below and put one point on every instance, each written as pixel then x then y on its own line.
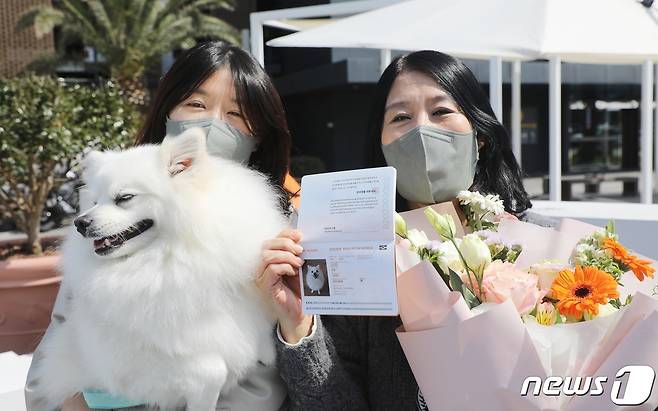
pixel 505 216
pixel 503 281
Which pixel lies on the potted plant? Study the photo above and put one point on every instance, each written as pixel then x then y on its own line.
pixel 45 126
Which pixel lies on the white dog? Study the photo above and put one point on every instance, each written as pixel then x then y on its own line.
pixel 315 278
pixel 164 307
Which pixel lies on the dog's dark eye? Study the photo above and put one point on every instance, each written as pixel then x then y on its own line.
pixel 123 198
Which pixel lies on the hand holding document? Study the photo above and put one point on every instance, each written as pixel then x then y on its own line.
pixel 346 219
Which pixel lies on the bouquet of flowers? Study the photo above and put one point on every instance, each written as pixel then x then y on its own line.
pixel 509 304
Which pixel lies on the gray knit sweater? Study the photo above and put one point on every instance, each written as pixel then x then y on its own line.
pixel 354 363
pixel 349 363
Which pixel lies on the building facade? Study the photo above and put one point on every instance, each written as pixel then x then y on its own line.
pixel 327 93
pixel 20 48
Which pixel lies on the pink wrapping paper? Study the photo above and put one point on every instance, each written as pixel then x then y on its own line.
pixel 432 304
pixel 469 364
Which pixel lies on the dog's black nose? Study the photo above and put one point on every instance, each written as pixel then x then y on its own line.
pixel 82 223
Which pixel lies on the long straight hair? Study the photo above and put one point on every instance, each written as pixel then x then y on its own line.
pixel 497 170
pixel 256 96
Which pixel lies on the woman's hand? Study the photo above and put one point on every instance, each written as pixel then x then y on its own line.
pixel 278 280
pixel 75 403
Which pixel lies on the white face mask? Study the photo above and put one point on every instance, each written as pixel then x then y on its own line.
pixel 223 140
pixel 432 164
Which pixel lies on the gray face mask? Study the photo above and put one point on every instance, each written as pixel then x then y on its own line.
pixel 432 164
pixel 223 140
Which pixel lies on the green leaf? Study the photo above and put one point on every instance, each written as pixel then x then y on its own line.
pixel 45 124
pixel 456 282
pixel 469 297
pixel 131 34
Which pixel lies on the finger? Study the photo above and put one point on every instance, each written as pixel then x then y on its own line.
pixel 283 244
pixel 280 257
pixel 294 235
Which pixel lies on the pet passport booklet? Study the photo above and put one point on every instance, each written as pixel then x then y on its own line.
pixel 347 223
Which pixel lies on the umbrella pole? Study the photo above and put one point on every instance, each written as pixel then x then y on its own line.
pixel 655 130
pixel 257 42
pixel 496 86
pixel 646 149
pixel 554 129
pixel 516 110
pixel 384 59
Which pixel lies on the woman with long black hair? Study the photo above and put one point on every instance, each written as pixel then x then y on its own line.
pixel 433 123
pixel 224 90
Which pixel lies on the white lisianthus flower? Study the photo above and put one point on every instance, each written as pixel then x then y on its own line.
pixel 417 238
pixel 604 311
pixel 449 257
pixel 400 226
pixel 442 223
pixel 475 252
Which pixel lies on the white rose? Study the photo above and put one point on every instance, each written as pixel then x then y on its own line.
pixel 604 311
pixel 546 273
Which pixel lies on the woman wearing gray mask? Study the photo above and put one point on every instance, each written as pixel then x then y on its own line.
pixel 434 124
pixel 223 90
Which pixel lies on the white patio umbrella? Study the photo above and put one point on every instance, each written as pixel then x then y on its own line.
pixel 585 31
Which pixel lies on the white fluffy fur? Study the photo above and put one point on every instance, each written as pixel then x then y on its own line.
pixel 172 316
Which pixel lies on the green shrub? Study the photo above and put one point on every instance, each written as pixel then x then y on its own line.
pixel 45 125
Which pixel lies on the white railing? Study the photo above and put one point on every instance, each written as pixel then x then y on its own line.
pixel 637 224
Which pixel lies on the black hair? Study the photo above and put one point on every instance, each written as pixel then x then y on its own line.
pixel 497 170
pixel 256 96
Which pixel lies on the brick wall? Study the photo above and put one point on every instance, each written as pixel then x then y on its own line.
pixel 19 48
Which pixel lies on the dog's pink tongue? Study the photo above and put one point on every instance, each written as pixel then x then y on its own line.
pixel 99 242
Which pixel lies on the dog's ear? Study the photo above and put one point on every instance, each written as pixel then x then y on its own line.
pixel 184 151
pixel 92 158
pixel 91 162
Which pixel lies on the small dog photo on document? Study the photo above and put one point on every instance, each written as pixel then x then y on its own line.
pixel 316 278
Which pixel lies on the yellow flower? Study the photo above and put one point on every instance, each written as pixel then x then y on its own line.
pixel 546 314
pixel 582 290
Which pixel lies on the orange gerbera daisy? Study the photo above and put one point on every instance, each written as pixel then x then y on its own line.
pixel 582 290
pixel 641 268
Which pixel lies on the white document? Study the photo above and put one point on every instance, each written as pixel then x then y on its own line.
pixel 347 224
